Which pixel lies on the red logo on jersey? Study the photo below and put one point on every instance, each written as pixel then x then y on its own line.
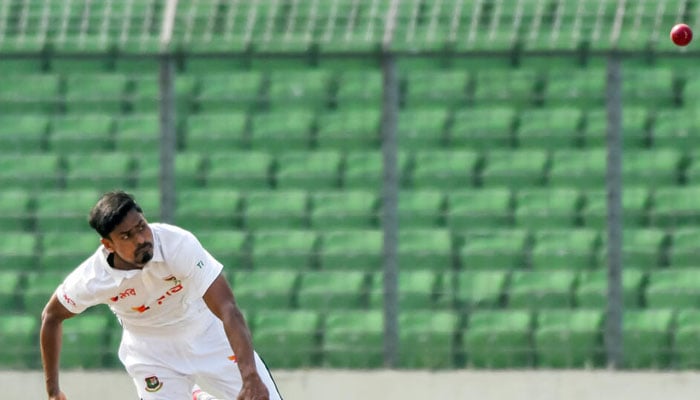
pixel 178 287
pixel 142 308
pixel 126 293
pixel 233 358
pixel 68 300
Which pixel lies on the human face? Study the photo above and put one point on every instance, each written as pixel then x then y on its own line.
pixel 131 242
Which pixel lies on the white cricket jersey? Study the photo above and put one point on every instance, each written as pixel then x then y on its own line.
pixel 165 297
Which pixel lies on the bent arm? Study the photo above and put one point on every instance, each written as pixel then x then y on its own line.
pixel 50 337
pixel 219 299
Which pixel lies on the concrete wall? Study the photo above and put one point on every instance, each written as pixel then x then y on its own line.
pixel 383 385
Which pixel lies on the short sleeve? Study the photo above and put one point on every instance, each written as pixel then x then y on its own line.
pixel 196 266
pixel 74 293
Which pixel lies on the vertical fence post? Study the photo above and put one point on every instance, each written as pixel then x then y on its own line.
pixel 613 329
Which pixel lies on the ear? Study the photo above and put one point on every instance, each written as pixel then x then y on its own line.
pixel 107 244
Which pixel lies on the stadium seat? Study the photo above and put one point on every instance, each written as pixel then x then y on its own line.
pixel 635 127
pixel 498 339
pixel 572 249
pixel 359 88
pixel 427 339
pixel 85 341
pixel 198 209
pixel 19 336
pixel 515 87
pixel 149 201
pixel 310 170
pixel 230 247
pixel 416 290
pixel 291 337
pixel 39 288
pixel 444 169
pixel 651 168
pixel 95 93
pixel 347 331
pixel 14 210
pixel 583 169
pixel 592 289
pixel 284 249
pixel 100 171
pixel 648 86
pixel 22 134
pixel 84 132
pixel 541 289
pixel 18 251
pixel 223 92
pixel 647 337
pixel 672 128
pixel 221 131
pixel 482 128
pixel 550 128
pixel 264 290
pixel 280 209
pixel 358 250
pixel 579 87
pixel 540 208
pixel 429 87
pixel 420 209
pixel 278 131
pixel 494 249
pixel 10 290
pixel 635 205
pixel 692 171
pixel 684 248
pixel 189 170
pixel 31 171
pixel 63 252
pixel 514 168
pixel 479 289
pixel 30 93
pixel 137 133
pixel 641 248
pixel 145 95
pixel 425 249
pixel 569 338
pixel 686 352
pixel 364 169
pixel 239 169
pixel 673 289
pixel 308 88
pixel 347 209
pixel 421 129
pixel 479 209
pixel 674 207
pixel 353 129
pixel 64 211
pixel 332 290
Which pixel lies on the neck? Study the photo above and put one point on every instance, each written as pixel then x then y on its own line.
pixel 117 262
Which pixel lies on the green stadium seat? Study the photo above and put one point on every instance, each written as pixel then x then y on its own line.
pixel 421 129
pixel 429 87
pixel 572 249
pixel 137 133
pixel 673 289
pixel 280 209
pixel 651 168
pixel 278 131
pixel 582 87
pixel 482 128
pixel 349 129
pixel 18 251
pixel 306 87
pixel 675 128
pixel 14 210
pixel 22 133
pixel 359 88
pixel 479 289
pixel 684 248
pixel 208 209
pixel 230 247
pixel 220 131
pixel 686 337
pixel 420 208
pixel 145 95
pixel 494 249
pixel 30 93
pixel 239 169
pixel 692 171
pixel 643 248
pixel 674 207
pixel 95 93
pixel 347 331
pixel 514 87
pixel 308 170
pixel 189 170
pixel 444 169
pixel 348 209
pixel 498 339
pixel 284 249
pixel 10 300
pixel 30 171
pixel 592 289
pixel 550 128
pixel 569 338
pixel 19 336
pixel 64 211
pixel 332 290
pixel 479 209
pixel 85 341
pixel 228 91
pixel 541 289
pixel 421 289
pixel 359 250
pixel 425 249
pixel 427 339
pixel 62 253
pixel 514 169
pixel 364 169
pixel 547 208
pixel 39 288
pixel 635 127
pixel 264 290
pixel 584 169
pixel 81 132
pixel 291 337
pixel 149 201
pixel 101 171
pixel 647 336
pixel 635 203
pixel 652 86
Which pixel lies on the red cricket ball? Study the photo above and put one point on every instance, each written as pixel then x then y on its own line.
pixel 681 34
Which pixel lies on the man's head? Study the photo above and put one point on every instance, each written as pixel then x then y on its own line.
pixel 124 230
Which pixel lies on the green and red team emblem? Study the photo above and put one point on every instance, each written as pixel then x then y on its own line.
pixel 153 384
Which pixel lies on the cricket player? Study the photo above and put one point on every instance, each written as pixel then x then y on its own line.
pixel 181 324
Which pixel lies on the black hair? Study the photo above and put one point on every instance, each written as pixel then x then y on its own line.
pixel 110 211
